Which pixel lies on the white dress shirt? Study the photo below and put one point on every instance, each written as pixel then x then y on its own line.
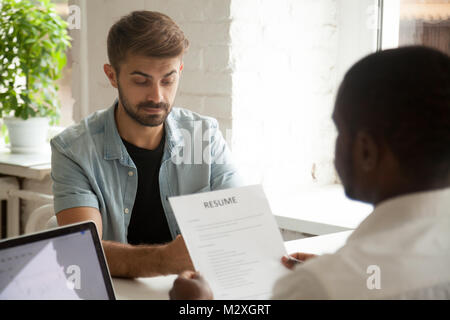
pixel 400 251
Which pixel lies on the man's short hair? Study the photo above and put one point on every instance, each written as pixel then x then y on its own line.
pixel 402 97
pixel 146 33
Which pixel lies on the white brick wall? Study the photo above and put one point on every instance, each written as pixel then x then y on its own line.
pixel 206 83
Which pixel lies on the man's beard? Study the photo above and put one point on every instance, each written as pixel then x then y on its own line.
pixel 148 120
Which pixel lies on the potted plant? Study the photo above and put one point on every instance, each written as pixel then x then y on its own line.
pixel 33 42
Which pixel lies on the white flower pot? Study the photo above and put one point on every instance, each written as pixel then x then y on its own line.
pixel 27 136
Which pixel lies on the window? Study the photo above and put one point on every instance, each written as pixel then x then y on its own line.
pixel 421 22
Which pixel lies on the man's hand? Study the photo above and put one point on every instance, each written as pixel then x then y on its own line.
pixel 296 258
pixel 130 261
pixel 176 258
pixel 190 285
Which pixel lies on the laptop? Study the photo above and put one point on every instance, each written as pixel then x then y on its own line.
pixel 66 263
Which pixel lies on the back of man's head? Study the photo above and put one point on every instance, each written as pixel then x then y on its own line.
pixel 401 97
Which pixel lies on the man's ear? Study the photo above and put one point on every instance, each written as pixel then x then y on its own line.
pixel 366 151
pixel 181 66
pixel 111 74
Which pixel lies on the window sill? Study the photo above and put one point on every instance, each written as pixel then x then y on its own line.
pixel 320 211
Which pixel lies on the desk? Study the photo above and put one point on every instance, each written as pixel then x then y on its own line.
pixel 329 243
pixel 15 166
pixel 319 211
pixel 158 288
pixel 30 166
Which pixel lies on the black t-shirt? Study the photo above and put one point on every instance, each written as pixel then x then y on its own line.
pixel 148 224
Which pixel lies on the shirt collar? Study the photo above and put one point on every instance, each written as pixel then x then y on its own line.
pixel 174 136
pixel 114 147
pixel 402 210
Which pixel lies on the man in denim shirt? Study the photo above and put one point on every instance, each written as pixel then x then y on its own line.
pixel 119 166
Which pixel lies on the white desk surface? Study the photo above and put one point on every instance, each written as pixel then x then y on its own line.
pixel 31 166
pixel 158 288
pixel 319 211
pixel 329 243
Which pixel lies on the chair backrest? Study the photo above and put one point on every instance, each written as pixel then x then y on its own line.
pixel 41 219
pixel 52 223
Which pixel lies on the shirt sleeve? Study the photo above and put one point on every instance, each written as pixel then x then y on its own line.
pixel 71 187
pixel 300 284
pixel 224 173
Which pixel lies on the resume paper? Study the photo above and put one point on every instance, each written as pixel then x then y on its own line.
pixel 233 240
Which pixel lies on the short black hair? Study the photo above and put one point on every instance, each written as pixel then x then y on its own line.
pixel 402 97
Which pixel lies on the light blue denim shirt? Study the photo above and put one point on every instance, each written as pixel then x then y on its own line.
pixel 91 167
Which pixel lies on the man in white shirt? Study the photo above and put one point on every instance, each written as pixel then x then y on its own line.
pixel 392 114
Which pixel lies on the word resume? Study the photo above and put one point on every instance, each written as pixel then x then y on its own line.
pixel 233 240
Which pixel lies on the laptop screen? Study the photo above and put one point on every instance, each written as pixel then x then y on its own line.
pixel 65 263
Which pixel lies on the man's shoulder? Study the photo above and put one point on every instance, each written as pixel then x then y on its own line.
pixel 82 132
pixel 186 118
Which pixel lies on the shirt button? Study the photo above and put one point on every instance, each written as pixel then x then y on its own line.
pixel 126 210
pixel 130 173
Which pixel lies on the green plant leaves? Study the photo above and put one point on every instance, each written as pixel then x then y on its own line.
pixel 33 42
pixel 4 132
